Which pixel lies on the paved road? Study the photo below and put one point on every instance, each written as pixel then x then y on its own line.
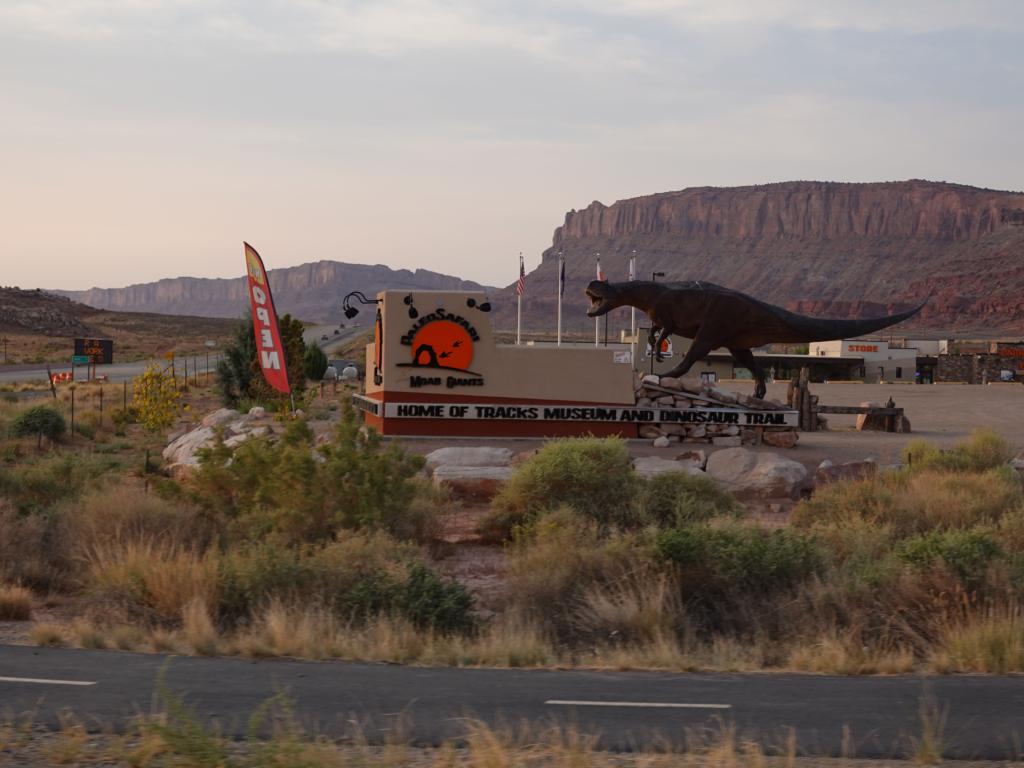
pixel 627 709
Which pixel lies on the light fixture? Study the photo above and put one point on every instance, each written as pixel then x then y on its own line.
pixel 484 306
pixel 351 311
pixel 413 312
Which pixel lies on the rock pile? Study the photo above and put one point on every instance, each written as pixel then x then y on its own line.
pixel 665 392
pixel 182 453
pixel 470 473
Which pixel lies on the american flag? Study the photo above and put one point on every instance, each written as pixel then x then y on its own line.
pixel 600 273
pixel 521 285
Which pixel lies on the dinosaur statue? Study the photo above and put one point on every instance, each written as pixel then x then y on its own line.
pixel 714 317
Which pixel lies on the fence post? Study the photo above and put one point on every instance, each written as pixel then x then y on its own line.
pixel 72 411
pixel 101 406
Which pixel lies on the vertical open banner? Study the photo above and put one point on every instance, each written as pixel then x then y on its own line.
pixel 269 348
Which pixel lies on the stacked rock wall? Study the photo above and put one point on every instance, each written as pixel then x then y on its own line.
pixel 667 393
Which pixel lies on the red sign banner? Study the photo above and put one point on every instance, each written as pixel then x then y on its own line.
pixel 264 322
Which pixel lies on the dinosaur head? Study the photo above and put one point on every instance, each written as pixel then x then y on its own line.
pixel 602 297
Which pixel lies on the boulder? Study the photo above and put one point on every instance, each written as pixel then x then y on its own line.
pixel 827 472
pixel 257 412
pixel 694 456
pixel 649 466
pixel 787 439
pixel 471 483
pixel 753 475
pixel 651 379
pixel 471 456
pixel 219 417
pixel 668 382
pixel 649 431
pixel 666 400
pixel 661 442
pixel 183 450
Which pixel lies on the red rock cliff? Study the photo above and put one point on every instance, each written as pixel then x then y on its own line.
pixel 824 248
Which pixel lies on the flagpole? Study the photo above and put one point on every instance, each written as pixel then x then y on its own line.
pixel 519 303
pixel 632 315
pixel 561 288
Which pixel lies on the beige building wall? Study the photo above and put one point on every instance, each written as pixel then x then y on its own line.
pixel 494 371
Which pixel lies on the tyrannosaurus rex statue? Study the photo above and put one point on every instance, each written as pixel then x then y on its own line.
pixel 714 317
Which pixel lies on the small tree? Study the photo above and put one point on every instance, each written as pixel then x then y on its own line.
pixel 238 372
pixel 155 397
pixel 41 421
pixel 316 363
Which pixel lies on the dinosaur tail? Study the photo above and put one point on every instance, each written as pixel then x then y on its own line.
pixel 822 329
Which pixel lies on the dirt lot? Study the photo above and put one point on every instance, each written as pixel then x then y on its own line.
pixel 941 413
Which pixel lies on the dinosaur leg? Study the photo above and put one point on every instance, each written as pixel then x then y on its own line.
pixel 698 351
pixel 746 358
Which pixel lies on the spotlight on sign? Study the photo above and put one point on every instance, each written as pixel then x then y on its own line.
pixel 346 303
pixel 413 312
pixel 484 306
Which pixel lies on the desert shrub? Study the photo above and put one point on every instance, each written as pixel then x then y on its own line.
pixel 27 550
pixel 282 490
pixel 912 503
pixel 676 498
pixel 967 553
pixel 567 555
pixel 39 421
pixel 155 397
pixel 15 603
pixel 150 581
pixel 738 561
pixel 314 362
pixel 87 424
pixel 123 514
pixel 984 450
pixel 355 578
pixel 37 485
pixel 593 475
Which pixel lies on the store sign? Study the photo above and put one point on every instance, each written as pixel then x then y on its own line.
pixel 587 413
pixel 863 347
pixel 441 346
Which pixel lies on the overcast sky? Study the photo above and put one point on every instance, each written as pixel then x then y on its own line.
pixel 142 139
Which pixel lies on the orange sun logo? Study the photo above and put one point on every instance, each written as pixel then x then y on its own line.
pixel 442 344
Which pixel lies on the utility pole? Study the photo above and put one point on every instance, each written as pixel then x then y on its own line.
pixel 5 340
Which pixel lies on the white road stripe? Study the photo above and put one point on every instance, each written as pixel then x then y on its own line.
pixel 44 681
pixel 661 704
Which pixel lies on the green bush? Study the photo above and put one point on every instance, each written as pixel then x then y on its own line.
pixel 39 421
pixel 967 553
pixel 315 362
pixel 910 503
pixel 357 578
pixel 984 450
pixel 737 561
pixel 677 498
pixel 281 489
pixel 37 486
pixel 593 475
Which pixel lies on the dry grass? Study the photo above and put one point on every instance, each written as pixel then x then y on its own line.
pixel 988 641
pixel 152 580
pixel 844 654
pixel 197 628
pixel 15 603
pixel 47 634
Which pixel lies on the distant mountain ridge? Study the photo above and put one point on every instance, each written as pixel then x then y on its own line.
pixel 824 248
pixel 311 291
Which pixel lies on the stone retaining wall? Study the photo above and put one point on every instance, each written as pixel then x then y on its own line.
pixel 667 392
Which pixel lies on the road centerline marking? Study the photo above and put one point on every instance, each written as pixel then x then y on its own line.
pixel 45 681
pixel 637 704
